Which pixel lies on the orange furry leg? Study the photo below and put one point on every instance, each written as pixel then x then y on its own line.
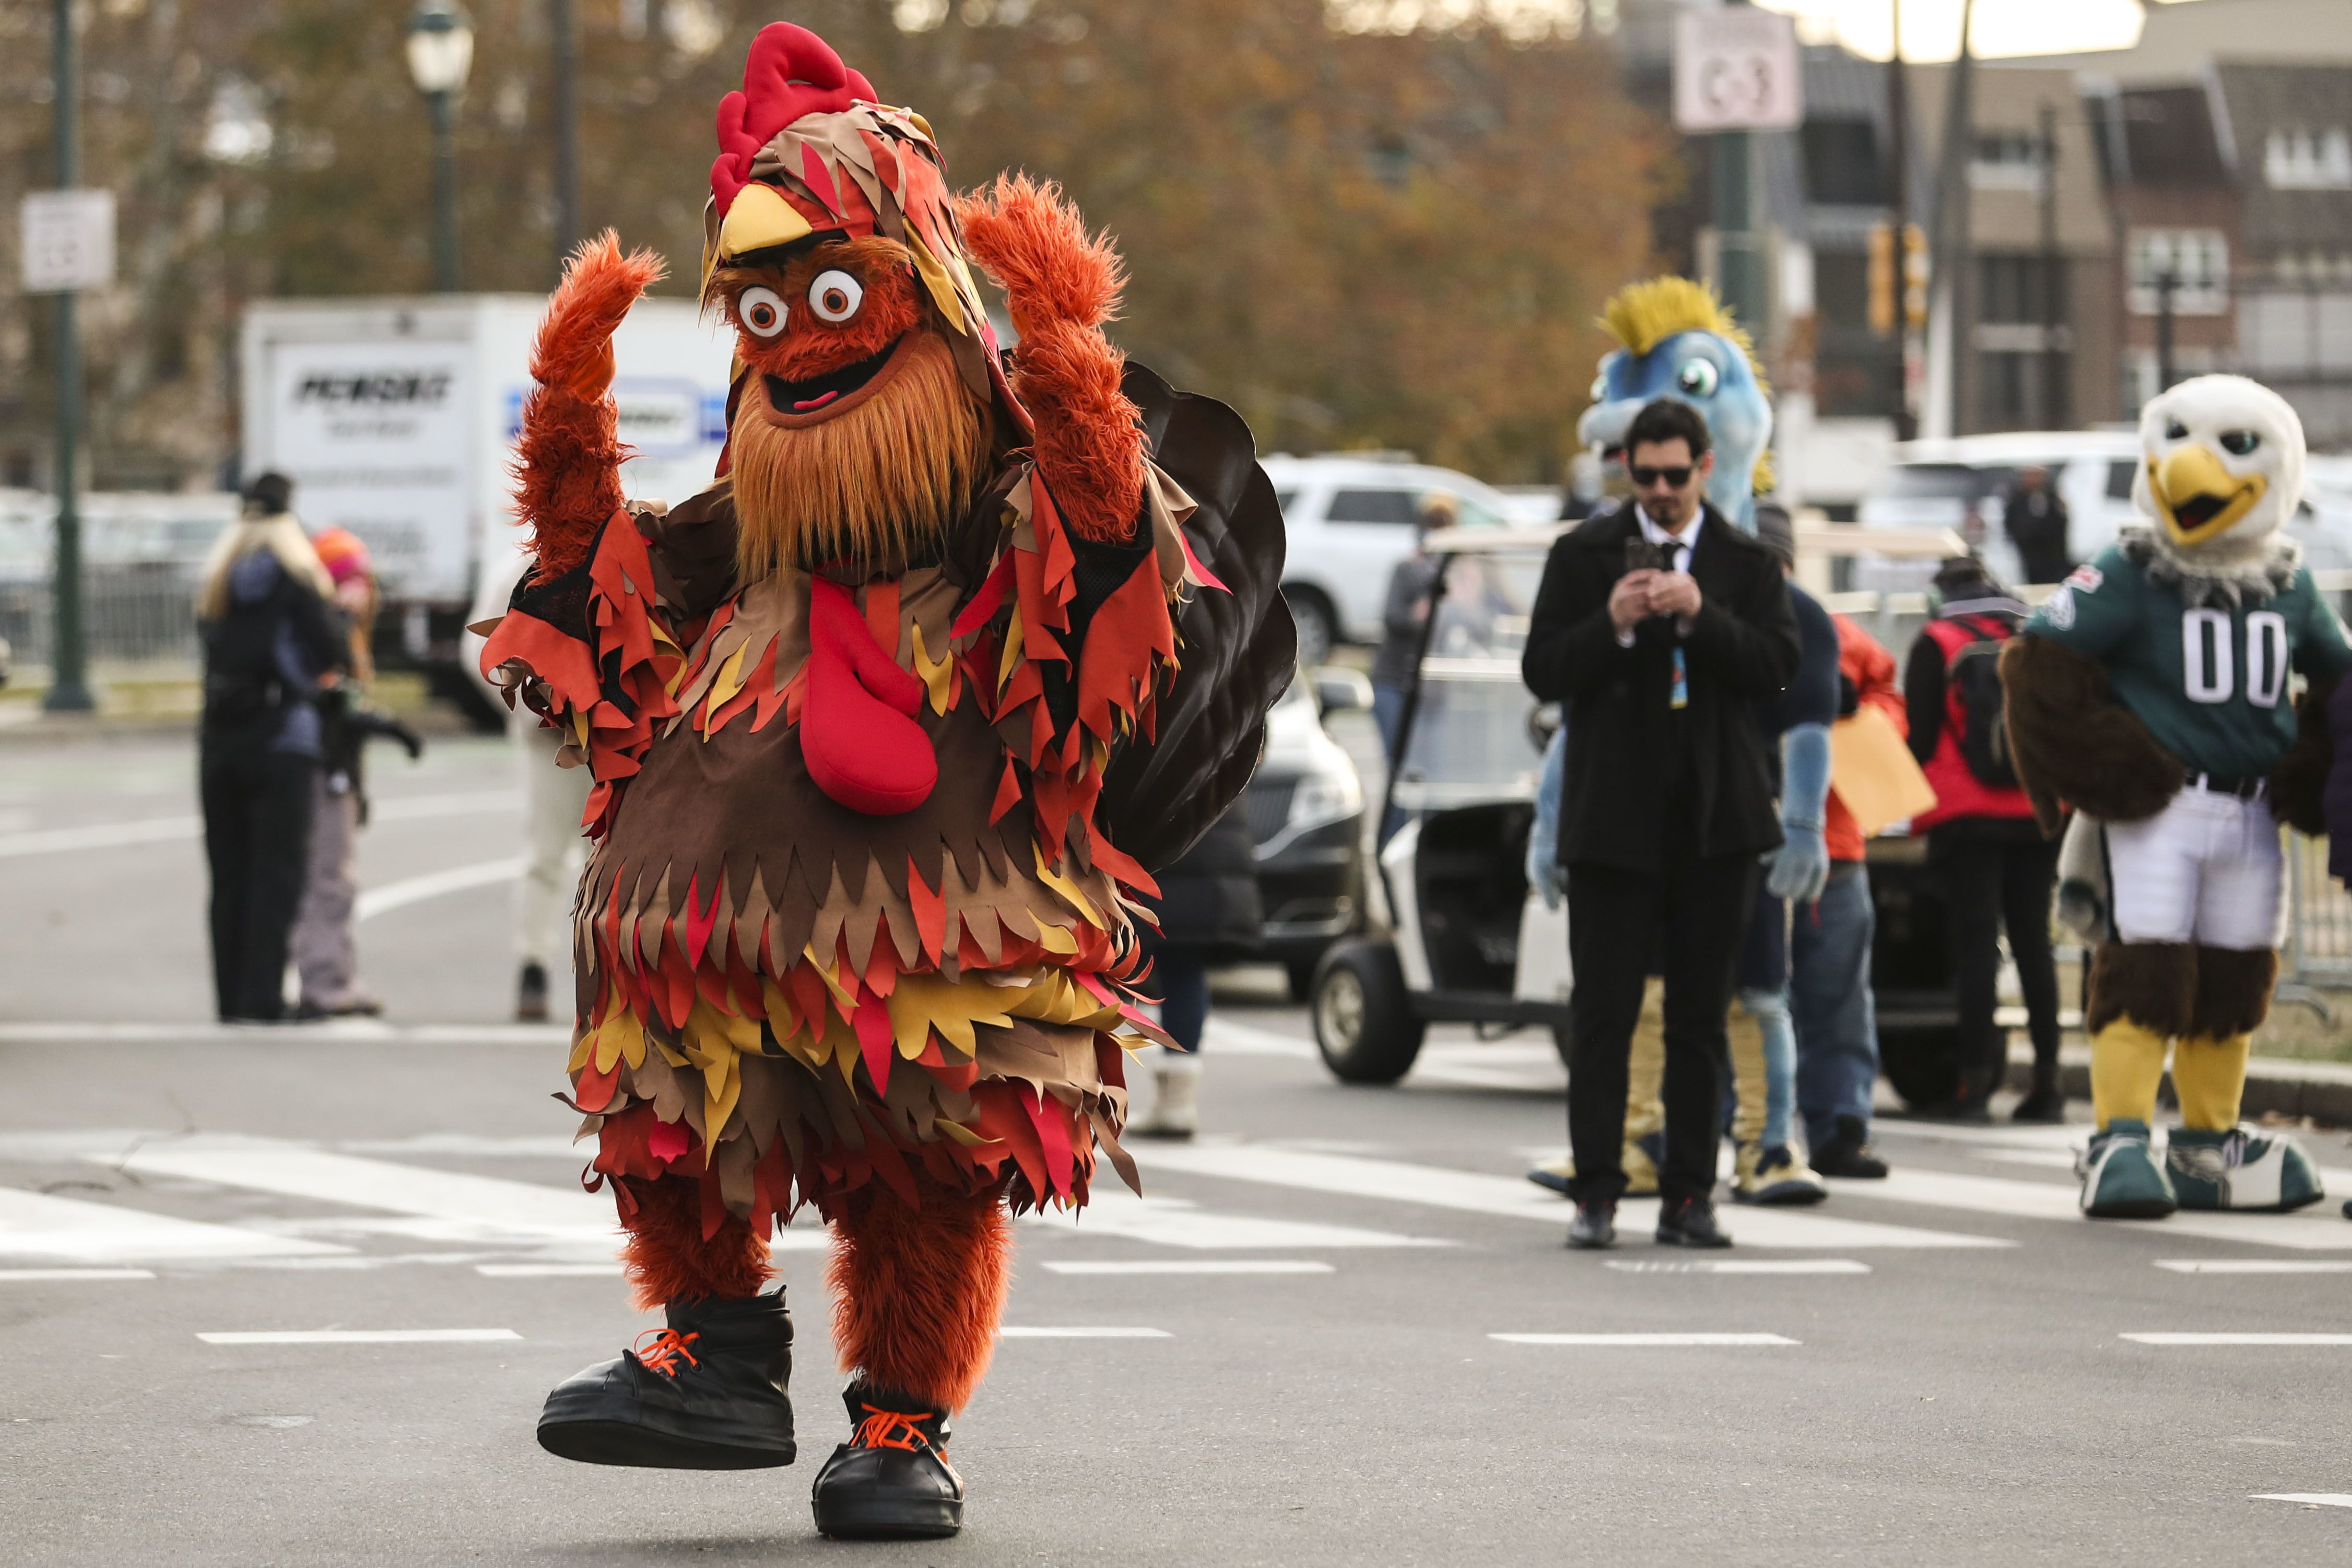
pixel 917 1294
pixel 1063 284
pixel 666 1258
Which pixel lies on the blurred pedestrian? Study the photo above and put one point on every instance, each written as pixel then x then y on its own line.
pixel 1410 586
pixel 1829 950
pixel 1998 872
pixel 326 958
pixel 271 632
pixel 1209 913
pixel 1662 629
pixel 2033 515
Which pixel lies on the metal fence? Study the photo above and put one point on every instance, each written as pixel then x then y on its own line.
pixel 140 613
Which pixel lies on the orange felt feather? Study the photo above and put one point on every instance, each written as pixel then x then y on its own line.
pixel 1062 285
pixel 568 457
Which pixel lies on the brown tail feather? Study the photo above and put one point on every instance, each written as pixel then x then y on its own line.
pixel 568 458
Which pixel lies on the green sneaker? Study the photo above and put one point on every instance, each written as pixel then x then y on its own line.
pixel 2121 1177
pixel 2241 1169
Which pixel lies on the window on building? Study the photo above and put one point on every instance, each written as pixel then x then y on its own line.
pixel 2308 160
pixel 1842 289
pixel 2010 287
pixel 1841 166
pixel 2006 161
pixel 2197 260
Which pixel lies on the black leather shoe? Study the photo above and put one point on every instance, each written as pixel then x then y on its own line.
pixel 531 994
pixel 1689 1222
pixel 2043 1104
pixel 707 1393
pixel 1849 1154
pixel 1595 1226
pixel 891 1481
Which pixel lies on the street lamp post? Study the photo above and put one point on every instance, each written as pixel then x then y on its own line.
pixel 68 677
pixel 440 54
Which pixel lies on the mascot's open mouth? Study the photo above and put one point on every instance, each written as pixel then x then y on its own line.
pixel 822 396
pixel 2197 497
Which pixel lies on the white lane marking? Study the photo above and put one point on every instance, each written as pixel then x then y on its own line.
pixel 2313 1229
pixel 1644 1339
pixel 465 1205
pixel 2053 1136
pixel 1525 1067
pixel 78 1032
pixel 548 1271
pixel 2196 1339
pixel 163 829
pixel 1742 1266
pixel 1008 1332
pixel 1513 1197
pixel 36 1225
pixel 394 896
pixel 2308 1499
pixel 11 1276
pixel 549 1146
pixel 1226 1038
pixel 2256 1265
pixel 364 1336
pixel 1112 1210
pixel 1187 1266
pixel 2044 1160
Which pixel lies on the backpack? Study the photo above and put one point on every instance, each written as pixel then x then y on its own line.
pixel 1975 676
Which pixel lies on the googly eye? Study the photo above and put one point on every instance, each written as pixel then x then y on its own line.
pixel 2175 431
pixel 836 296
pixel 2239 443
pixel 762 311
pixel 1697 378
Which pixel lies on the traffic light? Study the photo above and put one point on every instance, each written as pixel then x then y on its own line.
pixel 1915 275
pixel 1882 279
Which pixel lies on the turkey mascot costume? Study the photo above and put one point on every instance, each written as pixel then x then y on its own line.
pixel 2150 693
pixel 887 727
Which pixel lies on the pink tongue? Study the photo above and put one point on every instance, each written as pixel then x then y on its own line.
pixel 815 402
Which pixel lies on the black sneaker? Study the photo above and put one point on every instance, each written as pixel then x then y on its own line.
pixel 531 994
pixel 706 1394
pixel 2045 1104
pixel 1849 1153
pixel 1689 1222
pixel 1594 1227
pixel 891 1481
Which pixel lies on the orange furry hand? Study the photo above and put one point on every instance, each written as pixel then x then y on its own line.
pixel 1062 285
pixel 568 457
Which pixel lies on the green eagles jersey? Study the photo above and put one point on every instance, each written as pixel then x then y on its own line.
pixel 2210 683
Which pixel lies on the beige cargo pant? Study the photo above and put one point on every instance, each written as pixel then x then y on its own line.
pixel 1645 1067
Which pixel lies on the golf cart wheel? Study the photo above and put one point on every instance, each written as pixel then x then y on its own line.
pixel 1921 1062
pixel 1364 1022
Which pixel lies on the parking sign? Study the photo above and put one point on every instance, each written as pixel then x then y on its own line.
pixel 69 240
pixel 1736 70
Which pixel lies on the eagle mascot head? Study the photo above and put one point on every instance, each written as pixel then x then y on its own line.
pixel 2220 478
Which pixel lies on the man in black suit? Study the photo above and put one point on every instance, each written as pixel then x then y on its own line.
pixel 1659 626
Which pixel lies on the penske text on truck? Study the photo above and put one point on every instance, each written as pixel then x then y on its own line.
pixel 396 419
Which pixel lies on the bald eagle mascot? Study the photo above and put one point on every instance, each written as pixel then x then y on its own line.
pixel 2151 694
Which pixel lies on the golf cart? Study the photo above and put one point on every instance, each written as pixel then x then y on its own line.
pixel 1465 940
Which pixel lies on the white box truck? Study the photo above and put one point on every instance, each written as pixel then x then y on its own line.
pixel 396 419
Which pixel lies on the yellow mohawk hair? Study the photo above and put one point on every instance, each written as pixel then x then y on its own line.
pixel 1642 315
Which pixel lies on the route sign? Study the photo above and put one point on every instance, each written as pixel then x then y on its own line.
pixel 1737 69
pixel 69 240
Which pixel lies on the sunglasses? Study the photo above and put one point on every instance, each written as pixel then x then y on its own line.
pixel 1672 478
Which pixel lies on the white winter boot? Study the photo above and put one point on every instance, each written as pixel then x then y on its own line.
pixel 1175 1096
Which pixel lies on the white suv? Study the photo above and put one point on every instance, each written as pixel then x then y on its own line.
pixel 1349 519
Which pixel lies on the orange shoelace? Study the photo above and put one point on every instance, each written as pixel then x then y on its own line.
pixel 889 1430
pixel 668 1347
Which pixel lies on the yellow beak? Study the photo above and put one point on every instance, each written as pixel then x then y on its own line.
pixel 758 219
pixel 2197 497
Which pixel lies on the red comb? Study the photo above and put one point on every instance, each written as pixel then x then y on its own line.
pixel 789 72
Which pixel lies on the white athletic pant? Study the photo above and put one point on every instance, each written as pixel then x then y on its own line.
pixel 553 798
pixel 2206 869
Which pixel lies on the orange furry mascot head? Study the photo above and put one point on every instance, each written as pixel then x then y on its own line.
pixel 869 400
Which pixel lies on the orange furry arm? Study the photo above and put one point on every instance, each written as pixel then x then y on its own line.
pixel 568 458
pixel 1062 285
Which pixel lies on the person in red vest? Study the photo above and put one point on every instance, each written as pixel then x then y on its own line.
pixel 1998 871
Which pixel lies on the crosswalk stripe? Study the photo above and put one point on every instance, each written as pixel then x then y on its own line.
pixel 1185 1266
pixel 1739 1266
pixel 394 895
pixel 2203 1339
pixel 37 1225
pixel 12 1276
pixel 2308 1499
pixel 1511 1197
pixel 2311 1230
pixel 469 1206
pixel 1010 1332
pixel 2256 1265
pixel 364 1336
pixel 1113 1211
pixel 1640 1340
pixel 163 829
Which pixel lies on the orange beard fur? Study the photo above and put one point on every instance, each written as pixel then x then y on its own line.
pixel 877 486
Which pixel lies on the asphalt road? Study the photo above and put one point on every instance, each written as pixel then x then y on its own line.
pixel 1305 1347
